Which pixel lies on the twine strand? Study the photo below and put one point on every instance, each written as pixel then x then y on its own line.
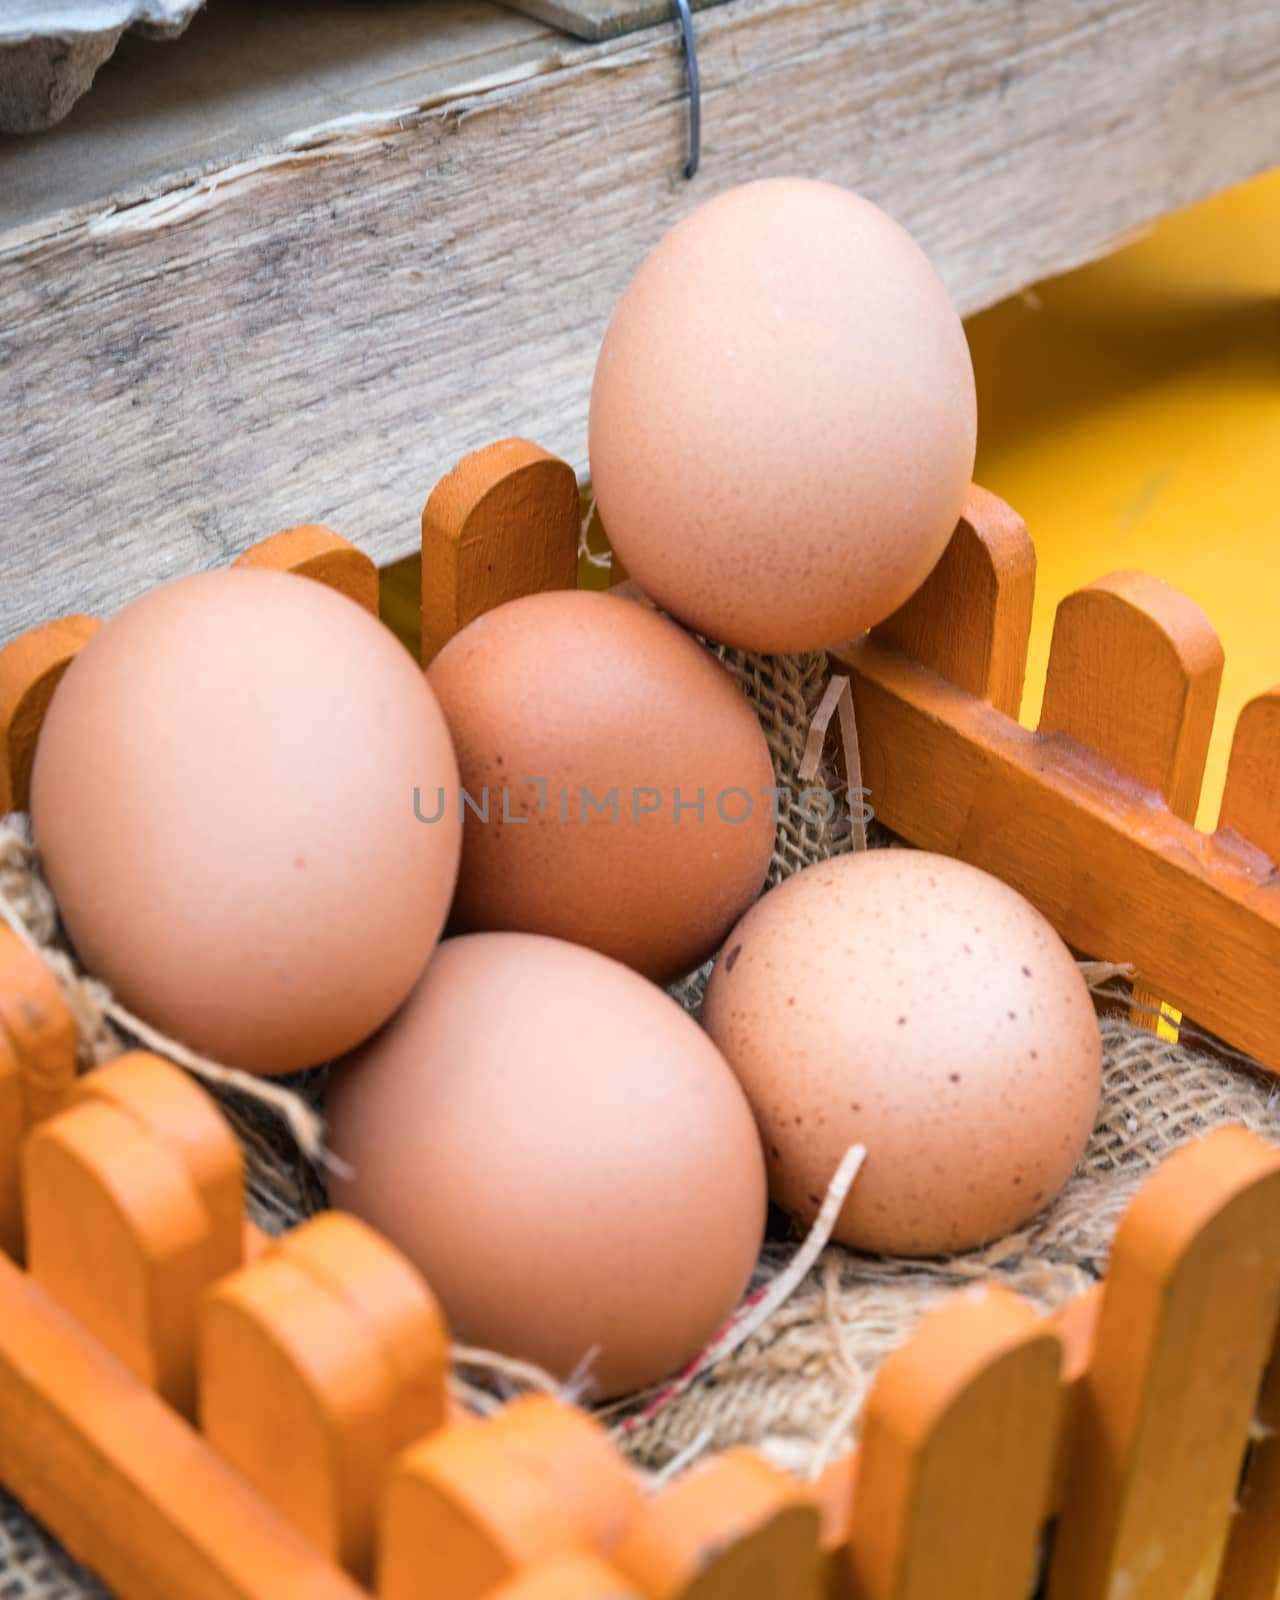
pixel 761 1306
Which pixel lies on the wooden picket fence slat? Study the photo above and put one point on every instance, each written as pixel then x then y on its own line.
pixel 1251 1568
pixel 1088 815
pixel 197 1410
pixel 33 668
pixel 313 551
pixel 125 1482
pixel 329 1340
pixel 957 1455
pixel 37 1067
pixel 1148 1388
pixel 736 1530
pixel 1186 1324
pixel 577 1577
pixel 981 646
pixel 1249 809
pixel 502 524
pixel 1133 675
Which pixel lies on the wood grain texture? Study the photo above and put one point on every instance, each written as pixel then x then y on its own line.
pixel 956 1456
pixel 311 333
pixel 1187 1322
pixel 130 1488
pixel 247 75
pixel 311 551
pixel 31 668
pixel 732 1529
pixel 970 620
pixel 502 524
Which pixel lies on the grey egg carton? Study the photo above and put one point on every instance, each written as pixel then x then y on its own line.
pixel 50 52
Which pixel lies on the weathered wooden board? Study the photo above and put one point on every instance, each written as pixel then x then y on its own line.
pixel 245 75
pixel 315 334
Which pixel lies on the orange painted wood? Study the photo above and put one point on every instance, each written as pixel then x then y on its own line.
pixel 956 1456
pixel 1134 671
pixel 1076 1325
pixel 126 1485
pixel 1187 1321
pixel 40 1028
pixel 388 1296
pixel 1103 858
pixel 733 1529
pixel 167 1104
pixel 37 1068
pixel 324 1361
pixel 12 1129
pixel 317 552
pixel 31 667
pixel 577 1461
pixel 1251 799
pixel 568 1578
pixel 118 1233
pixel 980 645
pixel 832 1493
pixel 1251 1568
pixel 502 524
pixel 318 1364
pixel 460 1516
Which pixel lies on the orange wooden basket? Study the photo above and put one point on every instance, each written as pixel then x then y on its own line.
pixel 199 1411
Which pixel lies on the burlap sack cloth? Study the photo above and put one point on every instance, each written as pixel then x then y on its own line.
pixel 796 1388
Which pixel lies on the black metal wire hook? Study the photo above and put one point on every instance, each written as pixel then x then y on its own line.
pixel 695 86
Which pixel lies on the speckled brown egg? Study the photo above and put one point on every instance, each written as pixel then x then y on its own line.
pixel 223 800
pixel 783 417
pixel 562 1152
pixel 618 780
pixel 915 1005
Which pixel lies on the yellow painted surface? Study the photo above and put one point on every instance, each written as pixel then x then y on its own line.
pixel 1131 413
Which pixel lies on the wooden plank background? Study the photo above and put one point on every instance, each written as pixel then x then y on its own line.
pixel 316 333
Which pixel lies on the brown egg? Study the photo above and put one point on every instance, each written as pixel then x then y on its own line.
pixel 562 1152
pixel 223 799
pixel 922 1008
pixel 783 417
pixel 589 726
